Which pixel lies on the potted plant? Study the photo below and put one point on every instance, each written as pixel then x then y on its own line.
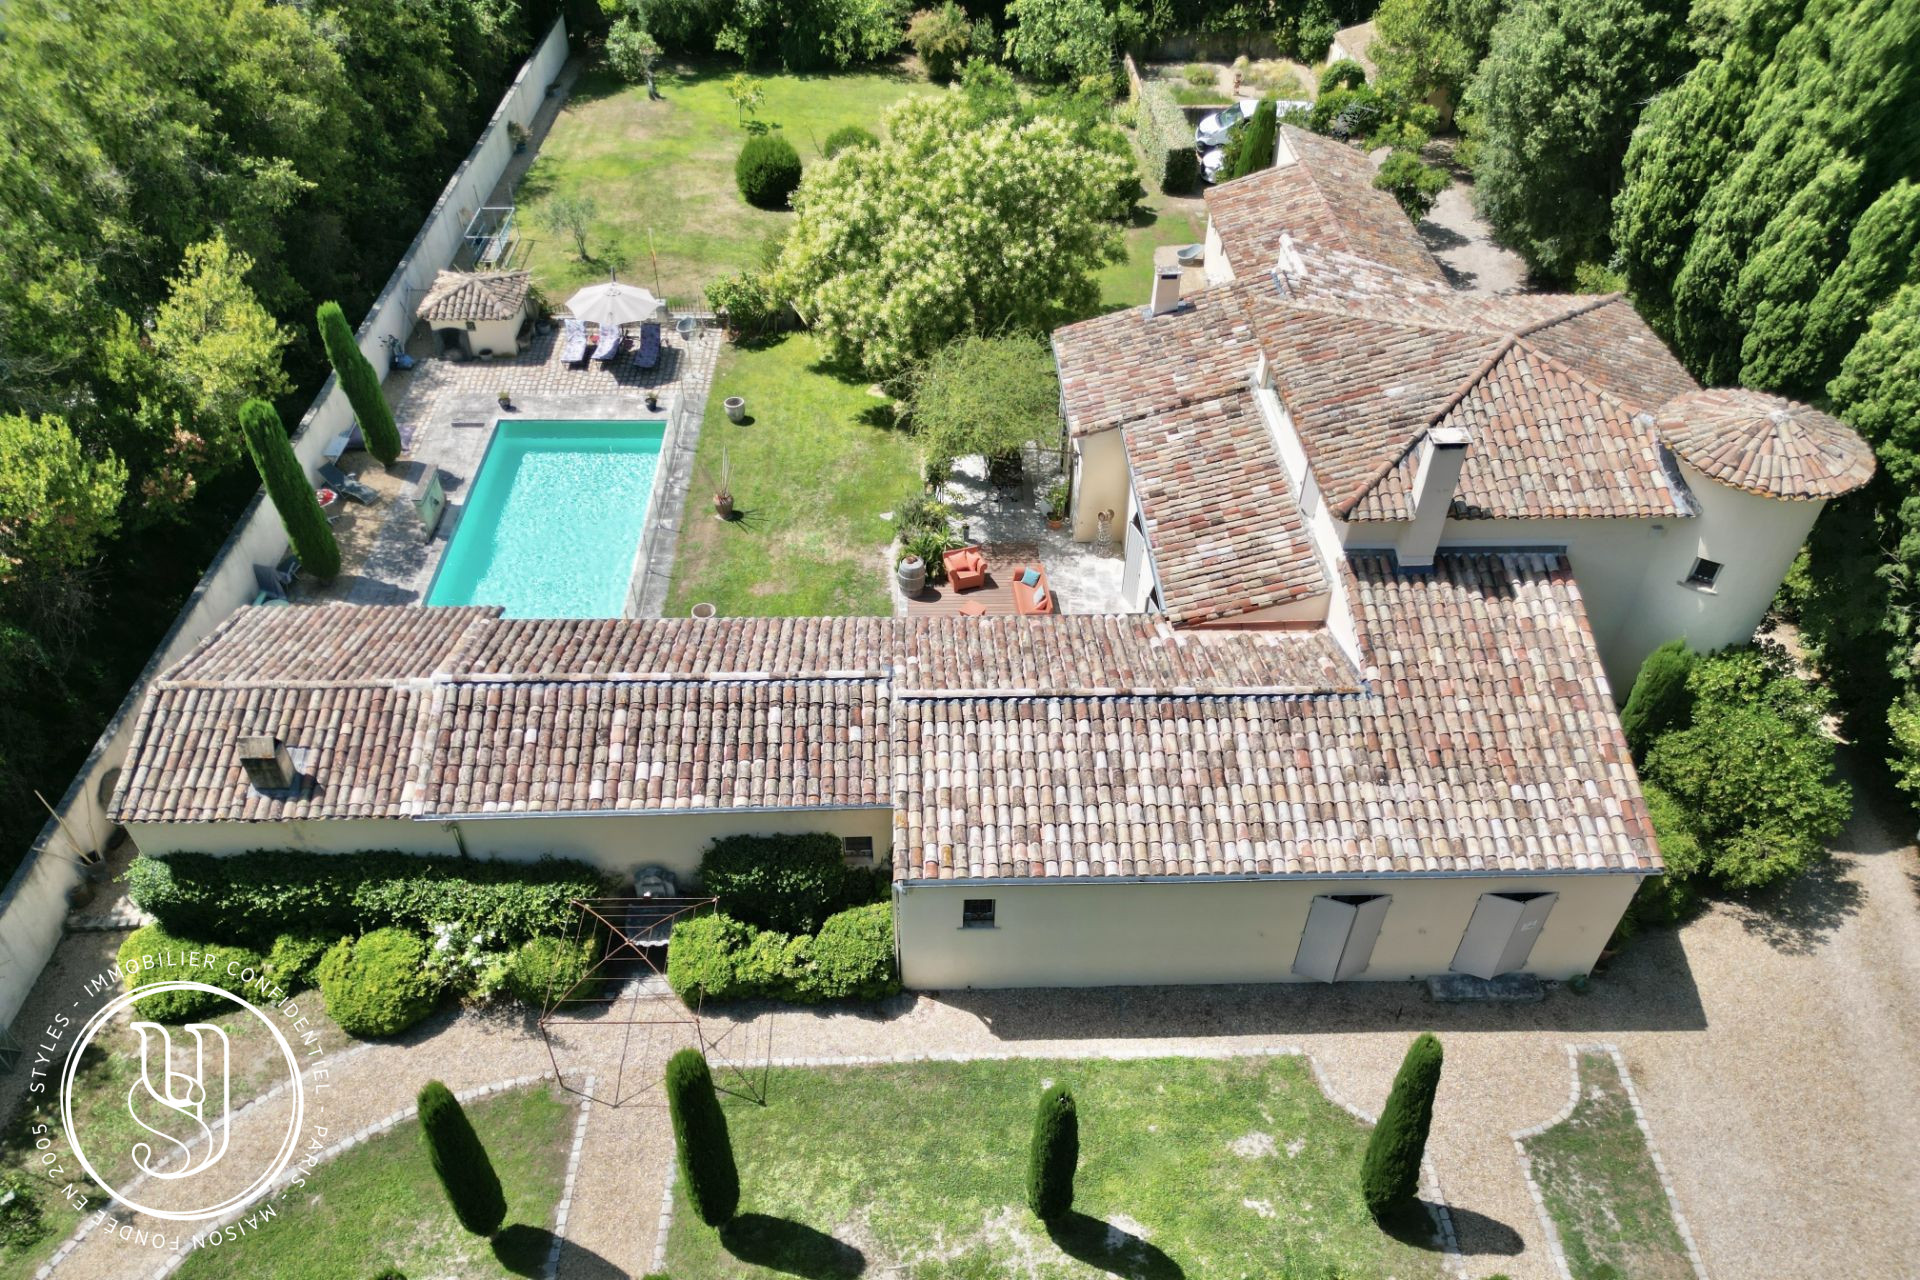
pixel 723 489
pixel 518 133
pixel 506 400
pixel 653 401
pixel 1057 505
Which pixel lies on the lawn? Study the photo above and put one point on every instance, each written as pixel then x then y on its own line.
pixel 1188 1168
pixel 1601 1189
pixel 667 168
pixel 1162 220
pixel 816 467
pixel 380 1205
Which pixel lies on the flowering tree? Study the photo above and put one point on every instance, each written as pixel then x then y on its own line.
pixel 952 226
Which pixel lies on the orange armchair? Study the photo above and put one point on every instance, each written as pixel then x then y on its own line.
pixel 966 568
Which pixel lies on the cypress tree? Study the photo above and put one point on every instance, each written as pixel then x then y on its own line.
pixel 460 1162
pixel 1390 1174
pixel 700 1138
pixel 1257 141
pixel 360 382
pixel 288 487
pixel 1055 1154
pixel 1659 700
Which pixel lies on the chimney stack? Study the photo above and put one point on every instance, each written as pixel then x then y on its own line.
pixel 268 763
pixel 1166 290
pixel 1442 453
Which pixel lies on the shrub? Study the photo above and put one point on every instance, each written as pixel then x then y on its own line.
pixel 460 1161
pixel 154 954
pixel 360 382
pixel 21 1219
pixel 1054 1155
pixel 701 958
pixel 1166 140
pixel 1200 75
pixel 941 38
pixel 1660 700
pixel 473 962
pixel 544 967
pixel 1344 74
pixel 700 1139
pixel 1347 113
pixel 716 958
pixel 295 955
pixel 1390 1173
pixel 290 491
pixel 849 137
pixel 790 883
pixel 1412 182
pixel 768 170
pixel 377 985
pixel 853 956
pixel 256 895
pixel 1670 898
pixel 746 298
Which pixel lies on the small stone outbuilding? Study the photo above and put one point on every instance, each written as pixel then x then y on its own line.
pixel 478 313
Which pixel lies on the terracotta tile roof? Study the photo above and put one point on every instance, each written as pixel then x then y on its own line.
pixel 485 295
pixel 329 643
pixel 1325 198
pixel 1128 363
pixel 1488 742
pixel 1765 444
pixel 1357 40
pixel 1227 535
pixel 1615 350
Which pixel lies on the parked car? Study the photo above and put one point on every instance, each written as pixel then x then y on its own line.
pixel 1212 160
pixel 1215 129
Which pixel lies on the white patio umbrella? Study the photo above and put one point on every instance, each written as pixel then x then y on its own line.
pixel 613 304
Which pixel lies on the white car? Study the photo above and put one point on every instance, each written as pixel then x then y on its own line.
pixel 1215 129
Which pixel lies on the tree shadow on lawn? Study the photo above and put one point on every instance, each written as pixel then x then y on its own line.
pixel 780 1244
pixel 523 1250
pixel 1111 1249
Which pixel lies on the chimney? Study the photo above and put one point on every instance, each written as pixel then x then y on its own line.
pixel 268 763
pixel 1442 453
pixel 1166 290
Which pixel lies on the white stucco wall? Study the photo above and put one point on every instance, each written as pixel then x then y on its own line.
pixel 1132 933
pixel 1100 484
pixel 498 336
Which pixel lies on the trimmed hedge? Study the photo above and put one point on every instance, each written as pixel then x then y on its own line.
pixel 255 896
pixel 544 966
pixel 719 958
pixel 846 138
pixel 362 385
pixel 1054 1155
pixel 791 883
pixel 1390 1172
pixel 700 1139
pixel 154 954
pixel 768 170
pixel 1344 74
pixel 289 489
pixel 1660 699
pixel 296 955
pixel 460 1161
pixel 1166 141
pixel 377 985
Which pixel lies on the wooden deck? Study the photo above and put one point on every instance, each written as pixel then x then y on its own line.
pixel 1003 562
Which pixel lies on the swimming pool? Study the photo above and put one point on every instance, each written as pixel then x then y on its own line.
pixel 554 520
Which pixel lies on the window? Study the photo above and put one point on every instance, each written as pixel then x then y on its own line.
pixel 976 913
pixel 857 849
pixel 1704 574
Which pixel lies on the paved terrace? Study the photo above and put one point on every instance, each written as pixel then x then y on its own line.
pixel 446 411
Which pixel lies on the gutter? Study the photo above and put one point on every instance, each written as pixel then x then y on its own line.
pixel 1322 877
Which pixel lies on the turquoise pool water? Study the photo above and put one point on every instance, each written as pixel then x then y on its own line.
pixel 554 519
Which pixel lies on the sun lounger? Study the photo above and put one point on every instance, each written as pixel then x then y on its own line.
pixel 648 354
pixel 573 343
pixel 609 348
pixel 269 587
pixel 335 478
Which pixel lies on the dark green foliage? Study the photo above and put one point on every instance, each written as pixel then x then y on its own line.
pixel 1412 182
pixel 295 955
pixel 1671 898
pixel 152 954
pixel 360 382
pixel 768 170
pixel 1344 74
pixel 1253 147
pixel 720 959
pixel 461 1162
pixel 1660 700
pixel 1054 1155
pixel 389 1273
pixel 1348 113
pixel 700 1139
pixel 941 38
pixel 258 895
pixel 376 985
pixel 290 491
pixel 790 883
pixel 848 136
pixel 1390 1173
pixel 546 969
pixel 22 1221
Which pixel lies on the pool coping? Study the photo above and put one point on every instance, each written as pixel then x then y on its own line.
pixel 653 558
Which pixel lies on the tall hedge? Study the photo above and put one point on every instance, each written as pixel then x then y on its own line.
pixel 1054 1156
pixel 360 382
pixel 791 883
pixel 1659 700
pixel 1166 140
pixel 700 1139
pixel 292 493
pixel 460 1161
pixel 1390 1173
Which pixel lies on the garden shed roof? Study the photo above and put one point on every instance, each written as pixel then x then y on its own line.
pixel 484 295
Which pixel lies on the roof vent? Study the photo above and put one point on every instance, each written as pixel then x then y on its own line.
pixel 1166 290
pixel 268 763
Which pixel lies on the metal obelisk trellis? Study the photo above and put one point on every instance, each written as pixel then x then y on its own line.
pixel 625 990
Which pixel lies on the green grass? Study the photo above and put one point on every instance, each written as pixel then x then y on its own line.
pixel 1188 95
pixel 1198 1168
pixel 1601 1188
pixel 1130 283
pixel 380 1205
pixel 814 468
pixel 667 167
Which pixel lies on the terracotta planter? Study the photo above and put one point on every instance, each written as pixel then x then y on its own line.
pixel 723 505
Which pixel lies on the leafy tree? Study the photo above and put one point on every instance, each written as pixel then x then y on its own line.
pixel 1414 183
pixel 1253 146
pixel 941 38
pixel 1471 23
pixel 1417 52
pixel 700 1138
pixel 633 53
pixel 1054 1155
pixel 460 1161
pixel 946 229
pixel 360 382
pixel 807 34
pixel 746 94
pixel 1660 700
pixel 570 215
pixel 1671 898
pixel 986 396
pixel 289 489
pixel 1057 40
pixel 1554 105
pixel 57 504
pixel 215 339
pixel 1390 1171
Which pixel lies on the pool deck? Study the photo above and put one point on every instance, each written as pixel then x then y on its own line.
pixel 449 409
